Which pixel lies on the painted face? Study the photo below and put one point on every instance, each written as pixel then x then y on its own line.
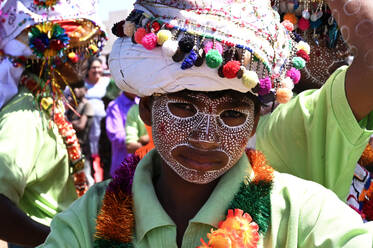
pixel 201 137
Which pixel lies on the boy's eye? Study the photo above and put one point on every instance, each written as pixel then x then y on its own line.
pixel 233 118
pixel 183 110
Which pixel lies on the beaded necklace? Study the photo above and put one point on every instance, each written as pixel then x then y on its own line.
pixel 115 222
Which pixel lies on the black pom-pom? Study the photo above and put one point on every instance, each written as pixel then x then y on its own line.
pixel 186 44
pixel 133 39
pixel 117 29
pixel 220 71
pixel 178 56
pixel 240 74
pixel 228 55
pixel 201 56
pixel 256 89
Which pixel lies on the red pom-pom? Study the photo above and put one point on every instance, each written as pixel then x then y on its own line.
pixel 149 41
pixel 288 25
pixel 303 54
pixel 231 69
pixel 303 24
pixel 140 33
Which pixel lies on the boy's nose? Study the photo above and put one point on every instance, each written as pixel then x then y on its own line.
pixel 205 135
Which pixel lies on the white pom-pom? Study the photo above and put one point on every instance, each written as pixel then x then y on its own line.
pixel 170 47
pixel 129 28
pixel 304 46
pixel 287 83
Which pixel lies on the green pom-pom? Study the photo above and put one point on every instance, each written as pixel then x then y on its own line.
pixel 299 63
pixel 214 58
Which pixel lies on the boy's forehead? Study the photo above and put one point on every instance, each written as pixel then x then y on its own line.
pixel 227 96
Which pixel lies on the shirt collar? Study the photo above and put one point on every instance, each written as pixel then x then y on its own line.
pixel 149 213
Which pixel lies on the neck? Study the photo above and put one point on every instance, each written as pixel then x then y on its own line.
pixel 93 80
pixel 173 193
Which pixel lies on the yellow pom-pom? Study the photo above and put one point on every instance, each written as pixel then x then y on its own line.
pixel 250 79
pixel 283 95
pixel 163 36
pixel 304 46
pixel 46 102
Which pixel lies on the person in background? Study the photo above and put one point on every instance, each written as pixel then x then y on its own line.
pixel 40 158
pixel 116 118
pixel 136 133
pixel 81 119
pixel 96 89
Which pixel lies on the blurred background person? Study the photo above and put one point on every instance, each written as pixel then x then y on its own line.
pixel 96 86
pixel 81 119
pixel 136 133
pixel 116 119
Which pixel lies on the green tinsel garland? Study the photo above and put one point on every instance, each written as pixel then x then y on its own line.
pixel 254 199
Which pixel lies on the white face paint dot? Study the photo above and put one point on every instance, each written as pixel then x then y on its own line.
pixel 368 58
pixel 352 7
pixel 364 29
pixel 345 31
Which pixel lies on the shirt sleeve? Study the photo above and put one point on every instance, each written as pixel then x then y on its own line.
pixel 21 139
pixel 76 226
pixel 132 125
pixel 88 109
pixel 315 136
pixel 115 128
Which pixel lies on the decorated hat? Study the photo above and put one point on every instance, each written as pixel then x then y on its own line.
pixel 314 23
pixel 168 46
pixel 50 32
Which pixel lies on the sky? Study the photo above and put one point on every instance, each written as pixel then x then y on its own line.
pixel 105 6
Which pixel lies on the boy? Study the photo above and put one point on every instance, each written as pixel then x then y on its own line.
pixel 201 121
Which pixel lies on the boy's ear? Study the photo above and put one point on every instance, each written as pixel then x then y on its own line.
pixel 145 109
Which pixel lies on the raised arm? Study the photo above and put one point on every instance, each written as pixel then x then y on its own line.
pixel 355 19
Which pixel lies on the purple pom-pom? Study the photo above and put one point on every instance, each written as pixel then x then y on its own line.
pixel 265 86
pixel 294 74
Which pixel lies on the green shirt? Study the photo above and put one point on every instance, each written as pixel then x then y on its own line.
pixel 316 136
pixel 34 166
pixel 135 127
pixel 304 214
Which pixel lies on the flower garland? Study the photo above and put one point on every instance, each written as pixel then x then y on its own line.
pixel 115 222
pixel 45 3
pixel 64 127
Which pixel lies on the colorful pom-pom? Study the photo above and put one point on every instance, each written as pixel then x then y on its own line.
pixel 163 36
pixel 288 25
pixel 303 24
pixel 129 28
pixel 186 43
pixel 73 57
pixel 303 55
pixel 265 86
pixel 291 18
pixel 294 74
pixel 287 83
pixel 149 41
pixel 210 45
pixel 231 68
pixel 214 59
pixel 283 95
pixel 250 79
pixel 189 61
pixel 304 46
pixel 299 63
pixel 139 34
pixel 170 47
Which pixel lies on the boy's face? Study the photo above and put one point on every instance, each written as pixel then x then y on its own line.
pixel 201 136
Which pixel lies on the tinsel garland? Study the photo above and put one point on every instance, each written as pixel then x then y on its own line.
pixel 115 222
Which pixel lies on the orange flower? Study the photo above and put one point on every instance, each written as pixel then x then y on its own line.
pixel 237 231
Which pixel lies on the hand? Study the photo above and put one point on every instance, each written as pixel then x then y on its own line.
pixel 144 139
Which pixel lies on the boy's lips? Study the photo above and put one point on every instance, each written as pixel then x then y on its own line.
pixel 200 160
